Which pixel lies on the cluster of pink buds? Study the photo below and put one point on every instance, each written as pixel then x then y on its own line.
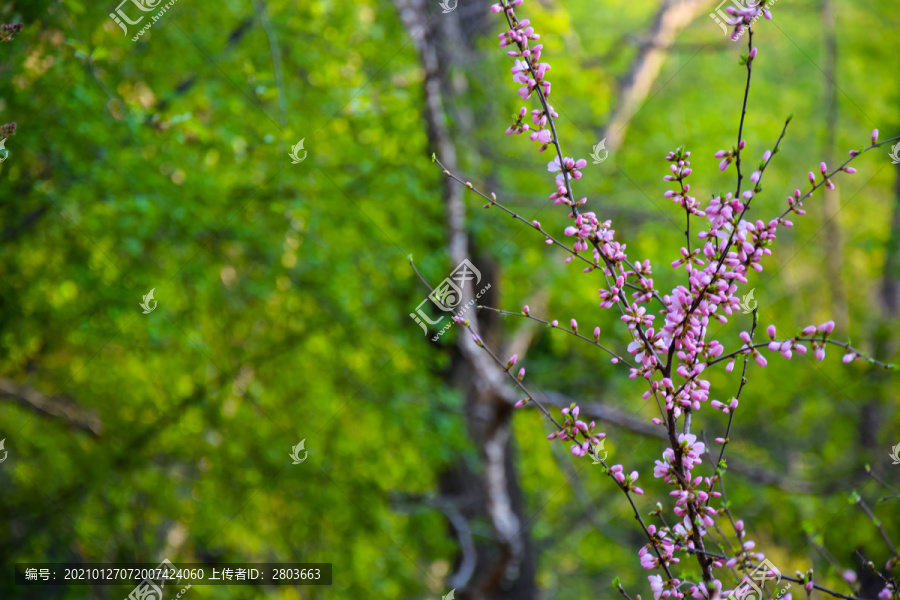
pixel 626 482
pixel 680 169
pixel 728 156
pixel 824 169
pixel 795 203
pixel 585 228
pixel 573 427
pixel 519 126
pixel 542 134
pixel 665 589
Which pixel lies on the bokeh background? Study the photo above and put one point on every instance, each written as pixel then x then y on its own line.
pixel 284 290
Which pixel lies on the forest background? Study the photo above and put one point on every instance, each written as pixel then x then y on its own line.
pixel 284 289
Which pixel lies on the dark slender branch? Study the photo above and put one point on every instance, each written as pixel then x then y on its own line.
pixel 877 522
pixel 569 331
pixel 59 407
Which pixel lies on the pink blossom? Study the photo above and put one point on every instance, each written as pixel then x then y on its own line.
pixel 827 327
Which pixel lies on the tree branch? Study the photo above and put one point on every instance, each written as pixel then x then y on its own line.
pixel 58 407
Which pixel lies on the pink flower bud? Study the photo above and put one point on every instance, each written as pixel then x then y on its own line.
pixel 812 178
pixel 525 309
pixel 753 54
pixel 554 323
pixel 536 224
pixel 512 360
pixel 521 374
pixel 827 327
pixel 823 167
pixel 809 330
pixel 574 325
pixel 522 403
pixel 850 170
pixel 874 136
pixel 848 358
pixel 771 331
pixel 596 334
pixel 742 144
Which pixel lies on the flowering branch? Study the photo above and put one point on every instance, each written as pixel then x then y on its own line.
pixel 729 248
pixel 555 324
